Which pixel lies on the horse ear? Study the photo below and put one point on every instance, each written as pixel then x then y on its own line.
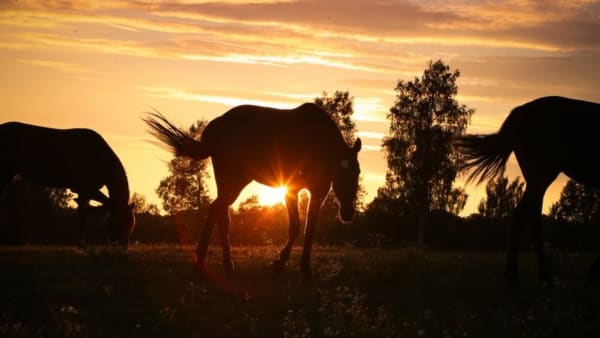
pixel 357 145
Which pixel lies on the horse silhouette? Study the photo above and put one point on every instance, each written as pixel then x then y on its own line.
pixel 78 159
pixel 300 148
pixel 549 135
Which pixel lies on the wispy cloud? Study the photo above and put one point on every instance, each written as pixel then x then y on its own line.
pixel 369 109
pixel 370 134
pixel 55 65
pixel 230 101
pixel 335 34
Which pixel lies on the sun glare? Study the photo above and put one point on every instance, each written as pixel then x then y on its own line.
pixel 271 196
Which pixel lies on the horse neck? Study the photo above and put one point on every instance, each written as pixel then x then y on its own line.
pixel 118 189
pixel 339 148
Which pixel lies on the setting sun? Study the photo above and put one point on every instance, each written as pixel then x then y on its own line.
pixel 271 196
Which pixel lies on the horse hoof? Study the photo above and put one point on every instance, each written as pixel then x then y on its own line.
pixel 546 278
pixel 229 268
pixel 307 275
pixel 278 266
pixel 512 278
pixel 594 273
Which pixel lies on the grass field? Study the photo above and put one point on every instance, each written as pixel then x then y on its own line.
pixel 154 291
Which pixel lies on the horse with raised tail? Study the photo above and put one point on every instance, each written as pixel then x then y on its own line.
pixel 300 148
pixel 549 135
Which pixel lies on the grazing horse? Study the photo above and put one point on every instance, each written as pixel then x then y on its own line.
pixel 77 159
pixel 300 148
pixel 549 136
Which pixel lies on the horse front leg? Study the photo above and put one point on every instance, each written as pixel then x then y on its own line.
pixel 217 213
pixel 291 200
pixel 316 200
pixel 82 211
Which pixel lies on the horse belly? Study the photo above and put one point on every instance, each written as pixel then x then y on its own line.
pixel 586 172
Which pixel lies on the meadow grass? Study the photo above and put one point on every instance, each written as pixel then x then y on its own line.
pixel 156 291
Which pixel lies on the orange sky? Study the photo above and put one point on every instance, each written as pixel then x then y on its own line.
pixel 101 64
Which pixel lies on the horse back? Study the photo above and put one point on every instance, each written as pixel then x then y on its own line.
pixel 306 127
pixel 265 143
pixel 558 132
pixel 66 158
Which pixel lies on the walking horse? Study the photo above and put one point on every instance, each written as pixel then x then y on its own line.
pixel 300 148
pixel 549 135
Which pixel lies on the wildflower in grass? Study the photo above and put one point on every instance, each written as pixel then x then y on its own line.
pixel 168 312
pixel 67 323
pixel 69 309
pixel 295 325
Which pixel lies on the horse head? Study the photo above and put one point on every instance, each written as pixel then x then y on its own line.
pixel 345 181
pixel 121 222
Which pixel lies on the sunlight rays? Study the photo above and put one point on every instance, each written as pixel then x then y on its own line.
pixel 271 196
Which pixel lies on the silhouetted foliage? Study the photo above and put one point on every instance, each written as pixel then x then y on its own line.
pixel 501 197
pixel 422 165
pixel 185 188
pixel 156 229
pixel 578 203
pixel 257 224
pixel 35 214
pixel 142 206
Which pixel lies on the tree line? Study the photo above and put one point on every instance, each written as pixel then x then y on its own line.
pixel 418 205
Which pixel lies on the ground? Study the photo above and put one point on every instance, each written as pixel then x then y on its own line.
pixel 155 291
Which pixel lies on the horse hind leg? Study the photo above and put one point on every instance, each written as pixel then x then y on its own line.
pixel 202 247
pixel 528 211
pixel 291 201
pixel 217 213
pixel 594 274
pixel 223 222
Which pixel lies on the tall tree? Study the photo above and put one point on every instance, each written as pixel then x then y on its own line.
pixel 340 106
pixel 185 188
pixel 578 203
pixel 141 205
pixel 422 165
pixel 501 197
pixel 61 198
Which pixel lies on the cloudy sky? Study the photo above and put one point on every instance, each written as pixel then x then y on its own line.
pixel 102 64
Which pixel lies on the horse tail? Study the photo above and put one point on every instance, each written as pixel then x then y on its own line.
pixel 485 154
pixel 176 140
